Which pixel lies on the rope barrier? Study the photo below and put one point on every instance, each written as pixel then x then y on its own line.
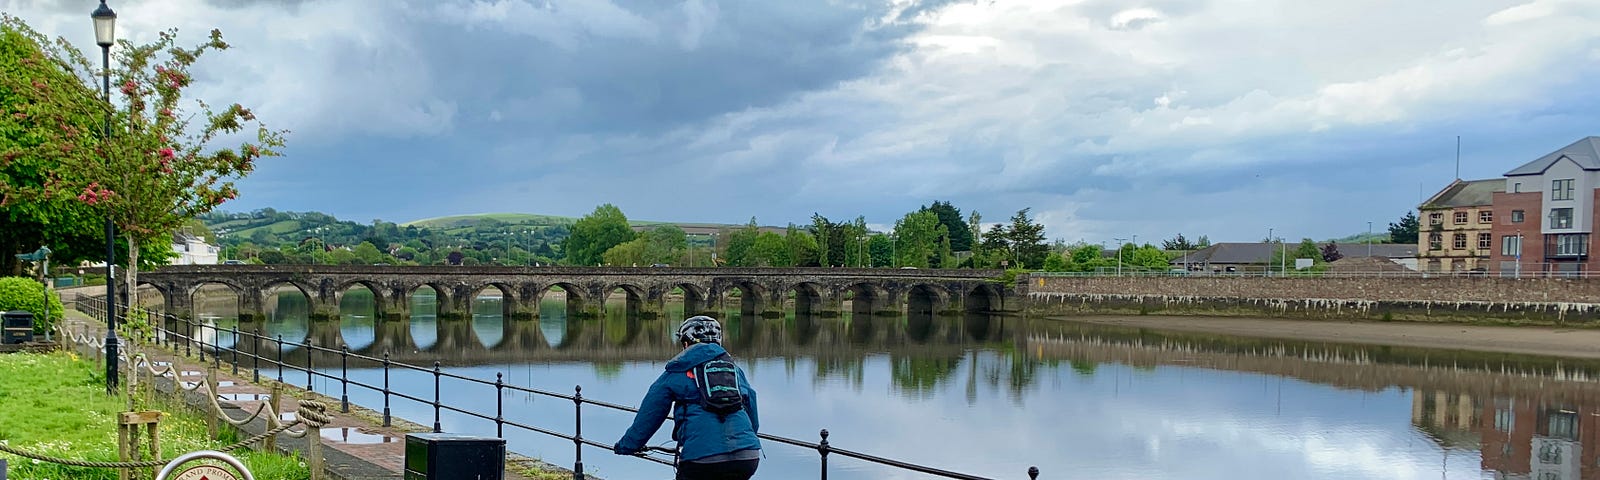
pixel 312 414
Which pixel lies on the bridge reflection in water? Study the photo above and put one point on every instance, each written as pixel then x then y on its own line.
pixel 983 393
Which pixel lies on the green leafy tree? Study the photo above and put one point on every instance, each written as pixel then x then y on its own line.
pixel 1308 249
pixel 1027 241
pixel 881 249
pixel 1177 243
pixel 369 254
pixel 160 168
pixel 803 248
pixel 771 250
pixel 995 247
pixel 53 216
pixel 665 244
pixel 960 232
pixel 917 237
pixel 595 233
pixel 1405 230
pixel 1054 262
pixel 737 251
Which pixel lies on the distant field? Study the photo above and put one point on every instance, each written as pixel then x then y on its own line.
pixel 459 221
pixel 285 226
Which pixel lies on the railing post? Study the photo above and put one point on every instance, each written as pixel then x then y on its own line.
pixel 385 388
pixel 577 435
pixel 344 378
pixel 216 347
pixel 255 356
pixel 499 405
pixel 280 358
pixel 235 350
pixel 436 428
pixel 822 448
pixel 1033 473
pixel 202 336
pixel 188 338
pixel 307 345
pixel 213 412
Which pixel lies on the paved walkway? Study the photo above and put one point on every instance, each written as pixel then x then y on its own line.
pixel 355 445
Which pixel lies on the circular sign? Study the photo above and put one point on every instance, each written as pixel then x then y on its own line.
pixel 206 472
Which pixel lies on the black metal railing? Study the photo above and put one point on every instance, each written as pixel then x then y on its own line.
pixel 192 342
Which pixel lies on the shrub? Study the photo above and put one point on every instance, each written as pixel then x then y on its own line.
pixel 18 293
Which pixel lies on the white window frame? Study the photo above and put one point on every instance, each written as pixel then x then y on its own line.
pixel 1511 245
pixel 1561 189
pixel 1558 221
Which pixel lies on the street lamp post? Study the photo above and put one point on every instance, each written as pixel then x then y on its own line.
pixel 1119 255
pixel 105 34
pixel 1369 239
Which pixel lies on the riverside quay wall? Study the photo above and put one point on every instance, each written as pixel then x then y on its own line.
pixel 1547 301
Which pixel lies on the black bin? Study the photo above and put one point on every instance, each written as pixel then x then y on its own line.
pixel 440 456
pixel 18 326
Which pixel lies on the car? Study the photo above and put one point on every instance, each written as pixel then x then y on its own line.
pixel 908 268
pixel 233 262
pixel 660 265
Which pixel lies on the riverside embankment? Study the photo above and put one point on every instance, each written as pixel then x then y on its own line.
pixel 1534 301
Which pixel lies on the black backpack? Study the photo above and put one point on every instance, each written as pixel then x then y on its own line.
pixel 718 381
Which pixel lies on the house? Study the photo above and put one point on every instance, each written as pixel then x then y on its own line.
pixel 1245 256
pixel 1455 235
pixel 193 250
pixel 1545 212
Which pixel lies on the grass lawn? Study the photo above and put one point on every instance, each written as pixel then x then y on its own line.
pixel 55 404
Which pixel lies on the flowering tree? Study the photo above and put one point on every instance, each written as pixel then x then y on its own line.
pixel 161 165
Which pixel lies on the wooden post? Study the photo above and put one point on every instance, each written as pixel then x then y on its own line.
pixel 211 389
pixel 128 424
pixel 270 444
pixel 155 446
pixel 314 452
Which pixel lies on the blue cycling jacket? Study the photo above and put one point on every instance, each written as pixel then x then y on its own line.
pixel 700 433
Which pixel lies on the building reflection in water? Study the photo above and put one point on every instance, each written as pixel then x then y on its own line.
pixel 1516 438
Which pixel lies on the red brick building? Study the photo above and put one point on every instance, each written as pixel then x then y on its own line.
pixel 1544 218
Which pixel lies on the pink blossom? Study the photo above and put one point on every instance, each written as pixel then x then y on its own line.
pixel 166 112
pixel 129 87
pixel 166 152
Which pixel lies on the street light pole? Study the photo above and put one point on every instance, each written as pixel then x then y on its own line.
pixel 1119 255
pixel 1369 239
pixel 105 34
pixel 1269 244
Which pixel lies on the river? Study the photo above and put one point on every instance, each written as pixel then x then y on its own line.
pixel 992 395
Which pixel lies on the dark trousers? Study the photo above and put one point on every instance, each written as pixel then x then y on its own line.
pixel 734 470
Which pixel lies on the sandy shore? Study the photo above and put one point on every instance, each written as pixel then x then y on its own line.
pixel 1563 342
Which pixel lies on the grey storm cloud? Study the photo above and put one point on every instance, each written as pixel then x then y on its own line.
pixel 1107 117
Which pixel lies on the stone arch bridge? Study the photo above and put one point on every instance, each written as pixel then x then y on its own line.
pixel 758 291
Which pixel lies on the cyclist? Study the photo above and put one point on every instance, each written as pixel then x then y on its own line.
pixel 712 405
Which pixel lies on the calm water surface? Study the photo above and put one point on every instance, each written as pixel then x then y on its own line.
pixel 993 395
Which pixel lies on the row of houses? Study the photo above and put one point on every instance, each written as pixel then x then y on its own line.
pixel 1232 257
pixel 1536 218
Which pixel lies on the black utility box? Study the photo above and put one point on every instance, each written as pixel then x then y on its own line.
pixel 441 456
pixel 18 326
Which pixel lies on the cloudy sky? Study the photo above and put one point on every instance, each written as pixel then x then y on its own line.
pixel 1108 118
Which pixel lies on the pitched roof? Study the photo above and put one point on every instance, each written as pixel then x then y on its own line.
pixel 1466 193
pixel 1585 152
pixel 1253 253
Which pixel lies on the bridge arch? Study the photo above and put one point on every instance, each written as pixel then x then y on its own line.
pixel 807 298
pixel 575 296
pixel 694 298
pixel 633 297
pixel 983 298
pixel 509 303
pixel 752 297
pixel 379 304
pixel 925 298
pixel 866 298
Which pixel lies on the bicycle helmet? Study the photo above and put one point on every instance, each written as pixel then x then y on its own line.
pixel 700 329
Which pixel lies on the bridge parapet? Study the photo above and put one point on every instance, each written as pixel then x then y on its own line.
pixel 759 291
